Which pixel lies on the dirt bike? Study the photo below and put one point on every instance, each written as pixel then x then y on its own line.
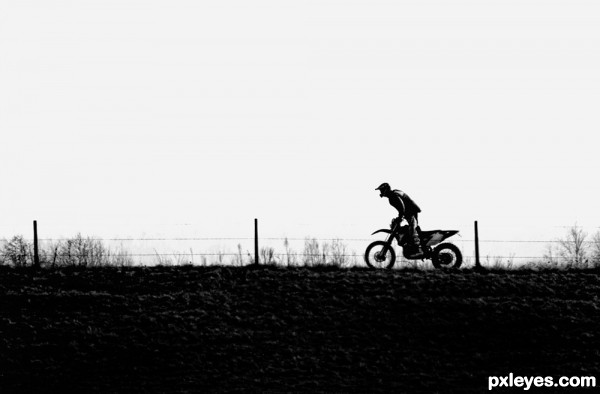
pixel 381 254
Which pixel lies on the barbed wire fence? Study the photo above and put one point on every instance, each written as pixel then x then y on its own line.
pixel 89 251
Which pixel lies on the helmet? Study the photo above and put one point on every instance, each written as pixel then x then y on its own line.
pixel 384 188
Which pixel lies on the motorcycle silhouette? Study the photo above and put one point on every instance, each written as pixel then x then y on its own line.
pixel 381 254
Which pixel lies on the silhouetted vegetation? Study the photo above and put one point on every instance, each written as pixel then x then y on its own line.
pixel 77 251
pixel 576 249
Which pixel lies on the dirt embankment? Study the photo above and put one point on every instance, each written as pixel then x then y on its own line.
pixel 198 329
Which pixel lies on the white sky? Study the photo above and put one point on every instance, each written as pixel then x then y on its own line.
pixel 130 117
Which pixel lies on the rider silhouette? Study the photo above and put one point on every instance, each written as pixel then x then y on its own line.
pixel 408 209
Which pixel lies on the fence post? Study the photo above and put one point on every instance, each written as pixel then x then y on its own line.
pixel 477 262
pixel 36 256
pixel 256 262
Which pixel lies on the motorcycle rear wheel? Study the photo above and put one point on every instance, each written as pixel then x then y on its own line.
pixel 376 258
pixel 446 256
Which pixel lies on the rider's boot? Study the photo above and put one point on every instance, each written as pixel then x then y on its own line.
pixel 417 254
pixel 416 250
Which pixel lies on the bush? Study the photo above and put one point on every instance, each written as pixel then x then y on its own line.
pixel 17 252
pixel 312 252
pixel 574 251
pixel 573 248
pixel 77 251
pixel 595 255
pixel 335 253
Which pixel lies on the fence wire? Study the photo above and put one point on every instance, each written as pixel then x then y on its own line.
pixel 283 239
pixel 54 253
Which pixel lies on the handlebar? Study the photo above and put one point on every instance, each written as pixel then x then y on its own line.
pixel 396 220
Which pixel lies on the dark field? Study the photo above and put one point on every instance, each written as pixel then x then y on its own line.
pixel 198 329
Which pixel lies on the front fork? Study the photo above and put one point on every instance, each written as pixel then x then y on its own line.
pixel 388 242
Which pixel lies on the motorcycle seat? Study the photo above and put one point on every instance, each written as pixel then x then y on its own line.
pixel 431 232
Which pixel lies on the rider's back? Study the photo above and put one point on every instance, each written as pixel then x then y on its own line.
pixel 409 207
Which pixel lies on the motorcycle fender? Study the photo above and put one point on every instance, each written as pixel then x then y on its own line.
pixel 383 230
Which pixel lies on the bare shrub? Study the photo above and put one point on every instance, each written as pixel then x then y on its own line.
pixel 312 252
pixel 72 252
pixel 500 262
pixel 267 255
pixel 81 252
pixel 595 252
pixel 87 252
pixel 49 254
pixel 290 257
pixel 18 251
pixel 121 257
pixel 171 260
pixel 238 259
pixel 573 249
pixel 339 253
pixel 77 251
pixel 325 248
pixel 551 256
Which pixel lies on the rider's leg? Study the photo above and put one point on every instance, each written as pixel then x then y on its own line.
pixel 413 233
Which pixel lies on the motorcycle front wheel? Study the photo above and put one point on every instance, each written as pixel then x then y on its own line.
pixel 446 255
pixel 379 255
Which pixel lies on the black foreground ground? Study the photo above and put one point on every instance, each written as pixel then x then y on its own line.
pixel 207 329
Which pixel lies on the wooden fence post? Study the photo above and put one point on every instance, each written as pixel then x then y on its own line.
pixel 256 262
pixel 477 262
pixel 36 256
